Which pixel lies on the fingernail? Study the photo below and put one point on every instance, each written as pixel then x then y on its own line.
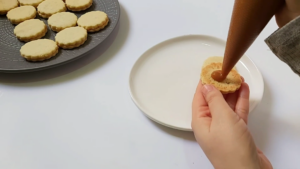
pixel 207 88
pixel 243 80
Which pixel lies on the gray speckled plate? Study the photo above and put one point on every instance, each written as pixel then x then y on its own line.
pixel 12 62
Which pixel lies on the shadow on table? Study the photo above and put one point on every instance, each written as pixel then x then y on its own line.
pixel 262 124
pixel 108 49
pixel 187 135
pixel 259 119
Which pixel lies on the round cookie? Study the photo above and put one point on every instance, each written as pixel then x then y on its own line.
pixel 62 20
pixel 34 3
pixel 20 14
pixel 78 5
pixel 30 30
pixel 93 21
pixel 50 7
pixel 231 84
pixel 39 50
pixel 70 38
pixel 6 5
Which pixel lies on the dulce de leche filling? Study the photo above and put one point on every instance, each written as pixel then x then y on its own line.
pixel 218 75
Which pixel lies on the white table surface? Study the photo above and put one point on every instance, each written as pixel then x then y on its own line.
pixel 80 115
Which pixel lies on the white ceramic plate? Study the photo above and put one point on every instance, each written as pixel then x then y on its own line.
pixel 163 80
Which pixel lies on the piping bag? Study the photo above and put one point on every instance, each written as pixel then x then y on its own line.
pixel 249 17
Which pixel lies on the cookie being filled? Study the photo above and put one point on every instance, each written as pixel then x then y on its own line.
pixel 232 82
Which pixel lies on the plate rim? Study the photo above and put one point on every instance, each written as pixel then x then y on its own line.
pixel 178 37
pixel 72 59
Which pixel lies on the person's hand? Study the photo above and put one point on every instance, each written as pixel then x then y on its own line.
pixel 288 12
pixel 220 127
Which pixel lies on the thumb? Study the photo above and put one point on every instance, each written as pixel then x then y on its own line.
pixel 216 102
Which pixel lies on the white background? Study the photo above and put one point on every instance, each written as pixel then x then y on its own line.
pixel 80 115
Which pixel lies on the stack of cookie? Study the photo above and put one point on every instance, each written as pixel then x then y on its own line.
pixel 71 31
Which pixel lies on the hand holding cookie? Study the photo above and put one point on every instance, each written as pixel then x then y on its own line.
pixel 219 121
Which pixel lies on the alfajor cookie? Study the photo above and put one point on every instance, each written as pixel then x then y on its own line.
pixel 39 50
pixel 231 84
pixel 78 5
pixel 62 20
pixel 6 5
pixel 34 3
pixel 30 30
pixel 93 21
pixel 70 38
pixel 50 7
pixel 20 14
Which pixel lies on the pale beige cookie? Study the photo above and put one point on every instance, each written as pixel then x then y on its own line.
pixel 39 50
pixel 34 3
pixel 78 5
pixel 231 84
pixel 50 7
pixel 62 20
pixel 30 30
pixel 20 14
pixel 70 38
pixel 93 21
pixel 6 5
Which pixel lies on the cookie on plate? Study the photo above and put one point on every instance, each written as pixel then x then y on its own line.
pixel 231 84
pixel 62 20
pixel 70 38
pixel 31 29
pixel 39 50
pixel 34 3
pixel 93 21
pixel 6 5
pixel 20 14
pixel 78 5
pixel 50 7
